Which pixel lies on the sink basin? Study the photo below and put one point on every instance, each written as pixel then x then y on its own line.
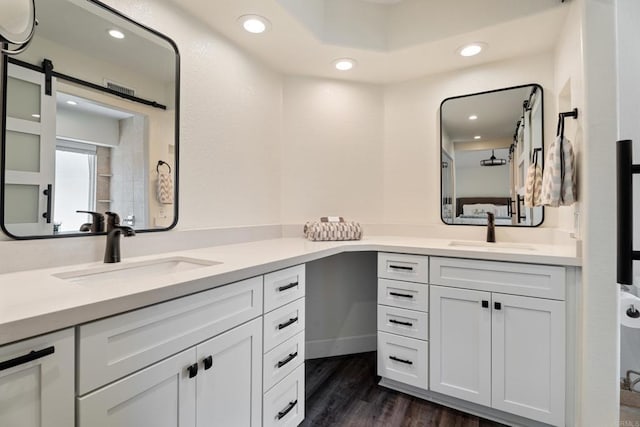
pixel 133 271
pixel 491 246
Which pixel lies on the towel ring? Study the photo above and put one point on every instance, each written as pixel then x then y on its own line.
pixel 160 163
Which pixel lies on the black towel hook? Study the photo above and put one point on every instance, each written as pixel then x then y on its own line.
pixel 160 163
pixel 573 114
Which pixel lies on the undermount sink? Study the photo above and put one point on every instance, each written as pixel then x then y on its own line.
pixel 133 271
pixel 491 246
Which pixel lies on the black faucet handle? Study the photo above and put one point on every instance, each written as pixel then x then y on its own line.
pixel 97 225
pixel 112 218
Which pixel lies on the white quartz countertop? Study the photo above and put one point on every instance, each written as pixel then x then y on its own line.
pixel 37 301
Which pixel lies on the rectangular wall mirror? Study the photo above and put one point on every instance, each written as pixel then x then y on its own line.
pixel 488 141
pixel 90 123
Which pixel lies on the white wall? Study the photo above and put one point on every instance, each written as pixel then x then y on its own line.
pixel 332 147
pixel 412 142
pixel 86 127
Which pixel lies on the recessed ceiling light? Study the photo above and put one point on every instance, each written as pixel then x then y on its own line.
pixel 477 137
pixel 72 102
pixel 35 116
pixel 473 117
pixel 116 34
pixel 255 24
pixel 344 64
pixel 471 49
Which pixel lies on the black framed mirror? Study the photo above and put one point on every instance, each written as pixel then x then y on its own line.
pixel 488 141
pixel 89 124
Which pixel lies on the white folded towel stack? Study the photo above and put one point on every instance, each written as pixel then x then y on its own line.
pixel 165 188
pixel 558 179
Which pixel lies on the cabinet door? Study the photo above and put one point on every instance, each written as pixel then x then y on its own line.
pixel 528 337
pixel 460 338
pixel 162 395
pixel 229 387
pixel 36 389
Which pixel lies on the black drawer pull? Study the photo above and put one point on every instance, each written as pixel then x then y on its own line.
pixel 395 294
pixel 31 356
pixel 485 303
pixel 289 286
pixel 408 362
pixel 497 306
pixel 192 370
pixel 401 267
pixel 286 410
pixel 288 359
pixel 398 322
pixel 207 362
pixel 287 323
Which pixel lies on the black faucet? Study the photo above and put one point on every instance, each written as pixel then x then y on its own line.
pixel 491 227
pixel 97 224
pixel 114 230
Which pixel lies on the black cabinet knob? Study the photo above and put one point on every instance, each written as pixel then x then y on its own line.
pixel 192 370
pixel 485 303
pixel 497 306
pixel 207 362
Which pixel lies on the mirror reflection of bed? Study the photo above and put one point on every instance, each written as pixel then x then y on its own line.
pixel 473 210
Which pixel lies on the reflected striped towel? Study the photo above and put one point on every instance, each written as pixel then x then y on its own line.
pixel 165 188
pixel 533 188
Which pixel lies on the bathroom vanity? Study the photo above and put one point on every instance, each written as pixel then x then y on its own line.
pixel 481 329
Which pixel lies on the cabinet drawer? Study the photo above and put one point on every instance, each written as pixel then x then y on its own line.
pixel 284 403
pixel 282 287
pixel 408 323
pixel 283 323
pixel 542 281
pixel 282 360
pixel 413 296
pixel 411 268
pixel 403 359
pixel 38 390
pixel 114 347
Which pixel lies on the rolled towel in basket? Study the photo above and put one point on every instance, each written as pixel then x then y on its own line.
pixel 318 230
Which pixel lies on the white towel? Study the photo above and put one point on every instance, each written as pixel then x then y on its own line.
pixel 165 188
pixel 558 179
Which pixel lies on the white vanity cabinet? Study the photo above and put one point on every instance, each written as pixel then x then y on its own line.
pixel 196 360
pixel 492 343
pixel 284 347
pixel 403 322
pixel 36 381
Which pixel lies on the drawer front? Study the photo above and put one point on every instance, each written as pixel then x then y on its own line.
pixel 410 268
pixel 283 405
pixel 395 293
pixel 282 287
pixel 542 281
pixel 114 347
pixel 282 360
pixel 283 323
pixel 403 359
pixel 408 323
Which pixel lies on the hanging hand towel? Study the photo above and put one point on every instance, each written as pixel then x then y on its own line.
pixel 533 187
pixel 165 188
pixel 558 179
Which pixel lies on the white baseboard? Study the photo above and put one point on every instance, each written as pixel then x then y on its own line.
pixel 339 346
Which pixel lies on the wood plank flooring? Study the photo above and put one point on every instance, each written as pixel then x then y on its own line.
pixel 343 391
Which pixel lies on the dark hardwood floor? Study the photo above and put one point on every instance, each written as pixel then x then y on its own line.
pixel 343 391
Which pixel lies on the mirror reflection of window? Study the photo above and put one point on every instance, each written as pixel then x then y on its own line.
pixel 75 184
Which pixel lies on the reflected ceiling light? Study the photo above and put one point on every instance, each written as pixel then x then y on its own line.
pixel 35 116
pixel 471 49
pixel 493 161
pixel 344 64
pixel 72 102
pixel 116 34
pixel 477 137
pixel 255 24
pixel 473 117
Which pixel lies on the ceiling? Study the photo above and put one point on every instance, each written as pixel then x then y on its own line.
pixel 391 40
